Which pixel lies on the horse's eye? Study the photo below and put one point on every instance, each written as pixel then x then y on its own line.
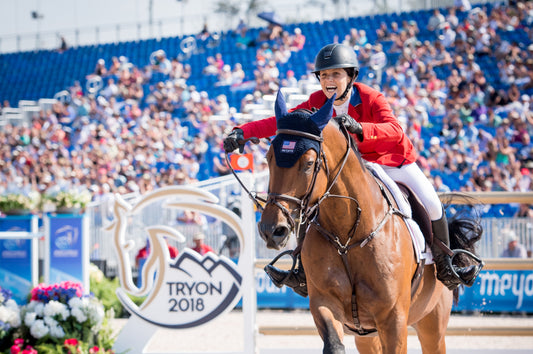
pixel 309 165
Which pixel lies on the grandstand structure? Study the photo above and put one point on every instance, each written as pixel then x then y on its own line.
pixel 33 81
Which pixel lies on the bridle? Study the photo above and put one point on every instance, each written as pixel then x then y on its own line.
pixel 308 213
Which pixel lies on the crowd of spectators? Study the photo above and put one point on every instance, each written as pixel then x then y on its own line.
pixel 127 139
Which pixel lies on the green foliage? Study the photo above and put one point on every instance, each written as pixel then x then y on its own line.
pixel 105 290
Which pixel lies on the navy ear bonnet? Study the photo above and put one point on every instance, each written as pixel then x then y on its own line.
pixel 288 148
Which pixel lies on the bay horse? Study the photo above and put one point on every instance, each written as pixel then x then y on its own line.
pixel 357 251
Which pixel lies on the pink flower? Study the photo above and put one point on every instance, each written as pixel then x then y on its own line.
pixel 29 350
pixel 71 341
pixel 19 342
pixel 15 349
pixel 94 350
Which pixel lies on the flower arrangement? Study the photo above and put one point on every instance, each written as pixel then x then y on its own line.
pixel 15 202
pixel 59 319
pixel 9 315
pixel 68 199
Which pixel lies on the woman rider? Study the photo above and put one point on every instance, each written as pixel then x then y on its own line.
pixel 366 114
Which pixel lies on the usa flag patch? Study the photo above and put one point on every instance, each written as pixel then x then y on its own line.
pixel 288 146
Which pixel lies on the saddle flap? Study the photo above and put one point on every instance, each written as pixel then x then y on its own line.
pixel 419 212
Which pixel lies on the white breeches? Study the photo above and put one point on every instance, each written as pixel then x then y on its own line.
pixel 412 176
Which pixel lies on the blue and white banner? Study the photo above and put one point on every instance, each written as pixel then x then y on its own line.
pixel 18 255
pixel 499 291
pixel 494 291
pixel 66 255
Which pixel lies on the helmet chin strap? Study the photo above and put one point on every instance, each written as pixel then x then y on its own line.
pixel 348 87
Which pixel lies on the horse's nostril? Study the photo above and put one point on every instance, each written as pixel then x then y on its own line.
pixel 281 231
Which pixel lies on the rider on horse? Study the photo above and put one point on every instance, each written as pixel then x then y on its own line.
pixel 367 115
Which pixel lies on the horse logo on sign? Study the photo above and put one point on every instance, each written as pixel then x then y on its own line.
pixel 189 290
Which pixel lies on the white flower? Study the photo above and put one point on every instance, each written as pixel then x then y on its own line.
pixel 10 314
pixel 75 302
pixel 30 318
pixel 38 329
pixel 55 329
pixel 14 319
pixel 11 304
pixel 54 308
pixel 96 314
pixel 79 314
pixel 35 306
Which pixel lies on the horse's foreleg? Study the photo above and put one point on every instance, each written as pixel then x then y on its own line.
pixel 330 329
pixel 431 329
pixel 368 345
pixel 392 330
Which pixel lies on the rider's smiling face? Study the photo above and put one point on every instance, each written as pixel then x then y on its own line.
pixel 334 81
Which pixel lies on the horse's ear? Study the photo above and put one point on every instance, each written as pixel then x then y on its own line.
pixel 280 107
pixel 324 114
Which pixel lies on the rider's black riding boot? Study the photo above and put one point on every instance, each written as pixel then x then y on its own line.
pixel 294 279
pixel 442 258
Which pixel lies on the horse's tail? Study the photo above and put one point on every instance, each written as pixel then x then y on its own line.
pixel 464 223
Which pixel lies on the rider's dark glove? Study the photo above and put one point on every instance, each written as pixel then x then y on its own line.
pixel 234 140
pixel 351 125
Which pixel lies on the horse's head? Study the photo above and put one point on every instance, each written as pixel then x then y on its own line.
pixel 296 181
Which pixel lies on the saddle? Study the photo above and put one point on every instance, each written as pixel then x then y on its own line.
pixel 414 215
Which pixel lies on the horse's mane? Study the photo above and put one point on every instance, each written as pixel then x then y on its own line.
pixel 352 143
pixel 299 117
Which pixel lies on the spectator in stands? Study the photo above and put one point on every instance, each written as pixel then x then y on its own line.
pixel 63 45
pixel 439 185
pixel 161 63
pixel 289 80
pixel 378 61
pixel 143 253
pixel 298 40
pixel 337 68
pixel 100 68
pixel 514 249
pixel 199 244
pixel 383 32
pixel 463 5
pixel 243 40
pixel 524 211
pixel 115 66
pixel 212 67
pixel 435 21
pixel 270 33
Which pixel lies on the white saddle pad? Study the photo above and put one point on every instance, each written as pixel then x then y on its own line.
pixel 416 235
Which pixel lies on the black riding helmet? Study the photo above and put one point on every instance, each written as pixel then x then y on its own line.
pixel 337 56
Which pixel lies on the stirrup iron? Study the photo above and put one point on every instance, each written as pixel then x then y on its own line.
pixel 480 264
pixel 289 252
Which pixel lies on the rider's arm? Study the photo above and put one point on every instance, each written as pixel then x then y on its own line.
pixel 262 128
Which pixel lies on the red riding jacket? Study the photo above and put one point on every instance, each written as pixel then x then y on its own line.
pixel 384 140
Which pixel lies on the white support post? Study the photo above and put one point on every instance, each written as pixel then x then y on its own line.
pixel 249 302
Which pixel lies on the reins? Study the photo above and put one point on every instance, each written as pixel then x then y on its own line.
pixel 252 195
pixel 309 213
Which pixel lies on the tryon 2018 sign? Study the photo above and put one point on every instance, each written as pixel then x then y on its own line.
pixel 185 292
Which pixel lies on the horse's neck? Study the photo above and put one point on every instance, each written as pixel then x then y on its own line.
pixel 354 181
